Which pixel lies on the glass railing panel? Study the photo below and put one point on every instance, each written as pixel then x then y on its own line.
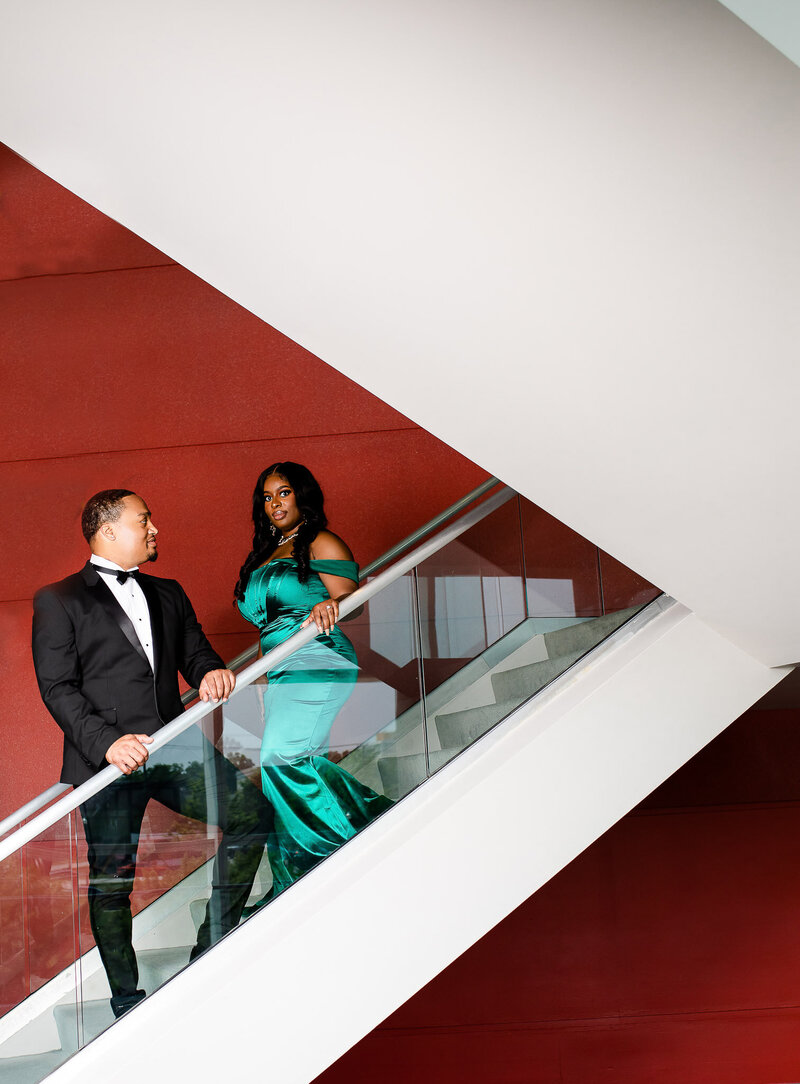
pixel 40 950
pixel 15 981
pixel 202 830
pixel 550 611
pixel 383 721
pixel 473 614
pixel 561 568
pixel 471 594
pixel 622 587
pixel 31 809
pixel 577 596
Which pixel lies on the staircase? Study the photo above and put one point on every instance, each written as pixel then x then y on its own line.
pixel 496 682
pixel 328 960
pixel 501 772
pixel 489 689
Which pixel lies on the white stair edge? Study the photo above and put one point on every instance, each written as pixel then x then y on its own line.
pixel 578 757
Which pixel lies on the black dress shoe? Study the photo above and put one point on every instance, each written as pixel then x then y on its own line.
pixel 121 1003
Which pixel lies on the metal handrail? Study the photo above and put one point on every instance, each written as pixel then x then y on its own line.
pixel 31 807
pixel 277 655
pixel 35 804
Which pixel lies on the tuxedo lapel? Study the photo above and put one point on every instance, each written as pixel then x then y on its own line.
pixel 103 597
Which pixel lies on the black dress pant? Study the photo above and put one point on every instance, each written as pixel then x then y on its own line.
pixel 206 787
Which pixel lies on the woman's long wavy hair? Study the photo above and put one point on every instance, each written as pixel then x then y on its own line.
pixel 309 498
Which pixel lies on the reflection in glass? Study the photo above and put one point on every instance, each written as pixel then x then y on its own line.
pixel 38 950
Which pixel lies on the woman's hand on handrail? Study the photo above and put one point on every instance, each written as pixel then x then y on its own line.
pixel 324 615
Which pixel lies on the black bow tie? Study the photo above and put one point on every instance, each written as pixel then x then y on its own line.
pixel 121 576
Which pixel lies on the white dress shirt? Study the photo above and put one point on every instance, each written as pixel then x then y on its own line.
pixel 131 598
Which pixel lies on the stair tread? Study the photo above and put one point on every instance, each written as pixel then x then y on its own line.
pixel 587 633
pixel 506 705
pixel 31 1068
pixel 401 774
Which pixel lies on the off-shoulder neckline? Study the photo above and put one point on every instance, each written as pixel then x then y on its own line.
pixel 312 561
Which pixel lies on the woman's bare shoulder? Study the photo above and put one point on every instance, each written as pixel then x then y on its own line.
pixel 327 546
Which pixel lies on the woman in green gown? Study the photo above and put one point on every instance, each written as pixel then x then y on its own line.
pixel 297 573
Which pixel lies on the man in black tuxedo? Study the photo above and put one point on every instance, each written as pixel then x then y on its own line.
pixel 108 644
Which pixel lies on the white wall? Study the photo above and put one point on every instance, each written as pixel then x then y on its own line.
pixel 561 235
pixel 299 984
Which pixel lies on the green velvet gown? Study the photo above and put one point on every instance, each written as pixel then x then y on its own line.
pixel 318 805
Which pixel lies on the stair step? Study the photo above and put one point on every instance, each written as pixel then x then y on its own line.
pixel 31 1068
pixel 97 1016
pixel 400 775
pixel 523 681
pixel 458 729
pixel 155 967
pixel 586 634
pixel 159 964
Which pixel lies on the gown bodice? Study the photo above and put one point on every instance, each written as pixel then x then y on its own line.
pixel 277 603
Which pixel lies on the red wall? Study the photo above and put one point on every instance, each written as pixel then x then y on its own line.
pixel 119 368
pixel 668 951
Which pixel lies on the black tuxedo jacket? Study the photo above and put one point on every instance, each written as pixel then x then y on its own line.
pixel 93 673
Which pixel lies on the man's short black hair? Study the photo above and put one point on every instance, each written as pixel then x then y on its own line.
pixel 103 507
